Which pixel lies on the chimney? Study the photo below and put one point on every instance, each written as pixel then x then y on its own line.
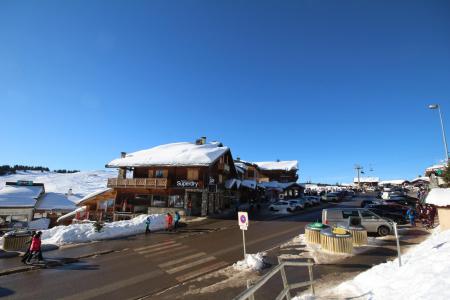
pixel 123 154
pixel 203 138
pixel 69 192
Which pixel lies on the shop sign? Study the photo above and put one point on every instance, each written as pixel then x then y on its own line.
pixel 187 183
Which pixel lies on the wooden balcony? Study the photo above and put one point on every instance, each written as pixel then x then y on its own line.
pixel 146 183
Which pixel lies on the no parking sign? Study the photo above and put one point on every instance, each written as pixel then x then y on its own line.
pixel 243 220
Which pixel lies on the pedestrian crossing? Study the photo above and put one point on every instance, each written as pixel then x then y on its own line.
pixel 186 263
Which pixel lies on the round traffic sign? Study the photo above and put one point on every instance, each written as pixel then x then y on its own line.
pixel 243 219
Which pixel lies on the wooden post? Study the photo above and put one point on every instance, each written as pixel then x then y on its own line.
pixel 284 278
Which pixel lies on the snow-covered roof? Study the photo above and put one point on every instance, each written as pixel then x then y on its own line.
pixel 439 197
pixel 72 214
pixel 277 185
pixel 96 193
pixel 393 182
pixel 286 165
pixel 366 179
pixel 175 154
pixel 56 201
pixel 20 196
pixel 422 178
pixel 436 167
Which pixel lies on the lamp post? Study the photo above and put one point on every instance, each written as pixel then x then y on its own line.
pixel 438 107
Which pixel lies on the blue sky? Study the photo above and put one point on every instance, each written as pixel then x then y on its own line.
pixel 329 83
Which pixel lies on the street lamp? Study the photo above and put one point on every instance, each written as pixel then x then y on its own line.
pixel 438 107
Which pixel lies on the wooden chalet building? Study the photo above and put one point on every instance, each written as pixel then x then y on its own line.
pixel 185 177
pixel 281 171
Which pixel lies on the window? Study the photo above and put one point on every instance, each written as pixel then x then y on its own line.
pixel 150 173
pixel 159 201
pixel 159 174
pixel 176 201
pixel 192 174
pixel 349 213
pixel 368 215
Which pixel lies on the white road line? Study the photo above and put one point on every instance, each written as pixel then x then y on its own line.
pixel 177 261
pixel 157 249
pixel 189 265
pixel 153 246
pixel 201 271
pixel 166 251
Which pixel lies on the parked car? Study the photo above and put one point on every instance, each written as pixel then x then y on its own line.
pixel 315 200
pixel 394 212
pixel 331 197
pixel 366 203
pixel 370 220
pixel 405 201
pixel 298 203
pixel 282 205
pixel 308 201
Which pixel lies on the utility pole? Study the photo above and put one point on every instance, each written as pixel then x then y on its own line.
pixel 358 169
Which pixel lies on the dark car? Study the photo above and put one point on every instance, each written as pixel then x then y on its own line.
pixel 396 213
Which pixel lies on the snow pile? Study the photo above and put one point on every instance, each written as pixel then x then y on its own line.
pixel 252 262
pixel 439 197
pixel 175 154
pixel 425 274
pixel 83 233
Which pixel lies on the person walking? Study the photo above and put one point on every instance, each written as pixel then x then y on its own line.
pixel 411 215
pixel 147 225
pixel 35 248
pixel 28 253
pixel 432 215
pixel 169 222
pixel 176 220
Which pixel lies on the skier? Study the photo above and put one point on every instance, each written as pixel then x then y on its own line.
pixel 147 225
pixel 35 248
pixel 28 253
pixel 411 215
pixel 169 220
pixel 176 219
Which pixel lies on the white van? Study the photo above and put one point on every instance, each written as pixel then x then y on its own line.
pixel 371 221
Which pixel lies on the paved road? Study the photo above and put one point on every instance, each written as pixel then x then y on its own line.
pixel 147 265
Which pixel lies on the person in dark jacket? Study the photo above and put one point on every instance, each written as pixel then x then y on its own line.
pixel 411 213
pixel 28 253
pixel 176 220
pixel 147 225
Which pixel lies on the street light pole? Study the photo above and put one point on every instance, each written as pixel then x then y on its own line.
pixel 438 107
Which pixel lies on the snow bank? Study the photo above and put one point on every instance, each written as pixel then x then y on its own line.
pixel 252 262
pixel 439 197
pixel 425 274
pixel 83 233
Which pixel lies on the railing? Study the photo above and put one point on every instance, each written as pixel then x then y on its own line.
pixel 285 293
pixel 156 183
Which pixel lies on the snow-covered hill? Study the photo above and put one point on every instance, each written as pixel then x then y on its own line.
pixel 81 183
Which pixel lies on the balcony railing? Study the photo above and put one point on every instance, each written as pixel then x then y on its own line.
pixel 147 183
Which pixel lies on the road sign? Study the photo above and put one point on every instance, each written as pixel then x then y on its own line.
pixel 243 220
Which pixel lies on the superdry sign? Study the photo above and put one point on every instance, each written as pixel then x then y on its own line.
pixel 187 183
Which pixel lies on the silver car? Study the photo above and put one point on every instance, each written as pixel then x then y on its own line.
pixel 371 221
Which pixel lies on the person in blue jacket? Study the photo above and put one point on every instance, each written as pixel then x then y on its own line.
pixel 147 225
pixel 176 220
pixel 411 213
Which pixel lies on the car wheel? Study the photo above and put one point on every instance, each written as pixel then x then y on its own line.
pixel 383 230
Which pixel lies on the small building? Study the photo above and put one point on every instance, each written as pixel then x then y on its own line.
pixel 281 171
pixel 17 203
pixel 186 177
pixel 99 205
pixel 54 205
pixel 275 190
pixel 440 197
pixel 366 181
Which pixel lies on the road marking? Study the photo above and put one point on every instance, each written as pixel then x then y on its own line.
pixel 156 249
pixel 177 261
pixel 201 271
pixel 166 251
pixel 153 246
pixel 104 289
pixel 189 265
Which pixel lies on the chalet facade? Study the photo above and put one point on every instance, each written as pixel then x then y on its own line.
pixel 185 177
pixel 281 171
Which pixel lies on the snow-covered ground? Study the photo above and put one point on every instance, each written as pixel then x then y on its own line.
pixel 424 274
pixel 85 232
pixel 81 183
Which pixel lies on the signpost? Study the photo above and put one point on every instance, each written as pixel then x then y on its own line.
pixel 243 224
pixel 398 245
